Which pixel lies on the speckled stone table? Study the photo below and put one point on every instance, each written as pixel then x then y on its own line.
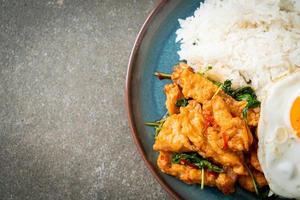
pixel 63 126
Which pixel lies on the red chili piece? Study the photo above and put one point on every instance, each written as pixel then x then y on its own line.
pixel 225 140
pixel 211 173
pixel 208 119
pixel 186 162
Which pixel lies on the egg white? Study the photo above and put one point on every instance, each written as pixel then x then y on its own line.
pixel 279 146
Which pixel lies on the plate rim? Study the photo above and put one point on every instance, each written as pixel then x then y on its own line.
pixel 134 133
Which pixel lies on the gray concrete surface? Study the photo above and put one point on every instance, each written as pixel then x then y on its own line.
pixel 63 127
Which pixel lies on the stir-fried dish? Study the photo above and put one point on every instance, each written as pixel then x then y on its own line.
pixel 208 135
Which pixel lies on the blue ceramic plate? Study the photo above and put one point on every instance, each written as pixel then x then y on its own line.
pixel 156 50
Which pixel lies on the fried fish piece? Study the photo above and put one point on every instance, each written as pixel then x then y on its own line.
pixel 193 122
pixel 185 132
pixel 201 89
pixel 226 158
pixel 193 85
pixel 191 175
pixel 253 116
pixel 226 183
pixel 171 138
pixel 247 183
pixel 173 93
pixel 181 131
pixel 236 109
pixel 239 138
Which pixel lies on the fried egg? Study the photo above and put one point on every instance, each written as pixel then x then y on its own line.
pixel 279 137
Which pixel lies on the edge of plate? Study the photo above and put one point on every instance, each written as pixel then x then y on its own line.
pixel 128 104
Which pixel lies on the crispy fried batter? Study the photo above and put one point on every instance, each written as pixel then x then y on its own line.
pixel 246 181
pixel 225 183
pixel 193 122
pixel 191 175
pixel 181 130
pixel 253 117
pixel 235 107
pixel 185 132
pixel 173 93
pixel 223 157
pixel 239 137
pixel 171 137
pixel 193 85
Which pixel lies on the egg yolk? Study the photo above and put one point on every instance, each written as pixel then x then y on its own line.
pixel 295 116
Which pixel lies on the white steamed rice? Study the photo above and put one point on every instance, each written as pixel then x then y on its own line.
pixel 243 39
